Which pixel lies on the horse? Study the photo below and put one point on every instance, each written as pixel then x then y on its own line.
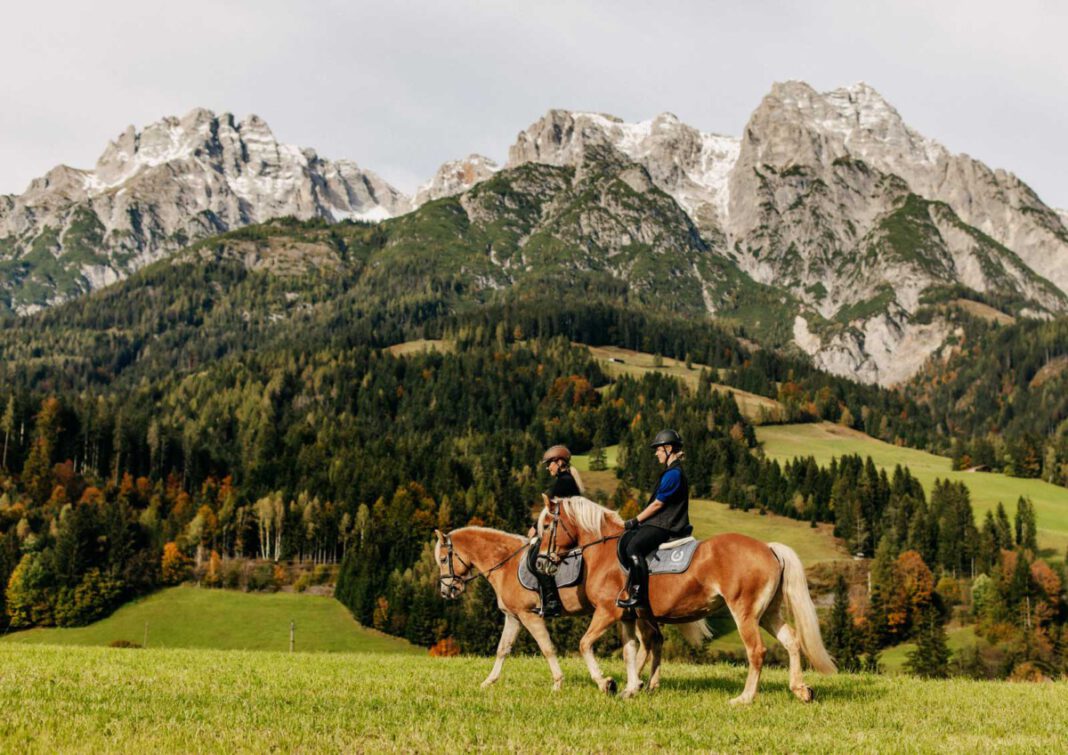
pixel 755 580
pixel 466 552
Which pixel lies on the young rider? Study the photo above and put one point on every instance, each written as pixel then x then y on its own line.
pixel 564 485
pixel 666 517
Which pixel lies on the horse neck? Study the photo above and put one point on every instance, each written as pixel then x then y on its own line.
pixel 585 537
pixel 484 548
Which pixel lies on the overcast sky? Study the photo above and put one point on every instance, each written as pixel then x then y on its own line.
pixel 400 87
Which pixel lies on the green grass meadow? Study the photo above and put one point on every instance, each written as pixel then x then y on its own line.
pixel 75 699
pixel 190 617
pixel 825 441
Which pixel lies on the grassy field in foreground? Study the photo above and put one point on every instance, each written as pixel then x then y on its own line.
pixel 825 441
pixel 190 617
pixel 100 699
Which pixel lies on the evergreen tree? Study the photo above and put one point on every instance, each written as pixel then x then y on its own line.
pixel 930 659
pixel 842 639
pixel 1026 525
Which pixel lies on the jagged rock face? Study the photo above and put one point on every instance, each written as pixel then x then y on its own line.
pixel 690 166
pixel 154 191
pixel 834 198
pixel 454 177
pixel 797 126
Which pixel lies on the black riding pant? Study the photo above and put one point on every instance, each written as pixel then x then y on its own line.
pixel 642 541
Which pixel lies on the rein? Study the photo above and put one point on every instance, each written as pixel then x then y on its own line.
pixel 457 583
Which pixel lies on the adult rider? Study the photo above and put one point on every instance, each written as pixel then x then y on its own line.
pixel 557 461
pixel 666 517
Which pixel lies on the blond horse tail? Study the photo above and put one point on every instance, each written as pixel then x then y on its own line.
pixel 695 632
pixel 799 602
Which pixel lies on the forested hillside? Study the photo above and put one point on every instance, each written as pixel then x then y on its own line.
pixel 240 403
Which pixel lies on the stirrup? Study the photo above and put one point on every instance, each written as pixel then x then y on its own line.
pixel 631 602
pixel 552 613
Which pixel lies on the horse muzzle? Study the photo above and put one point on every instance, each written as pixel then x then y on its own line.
pixel 451 588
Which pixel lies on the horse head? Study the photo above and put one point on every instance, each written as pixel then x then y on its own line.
pixel 453 571
pixel 573 522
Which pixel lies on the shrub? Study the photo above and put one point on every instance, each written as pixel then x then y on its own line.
pixel 230 574
pixel 123 644
pixel 261 579
pixel 445 648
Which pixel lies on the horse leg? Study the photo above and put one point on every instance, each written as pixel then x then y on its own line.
pixel 653 639
pixel 504 647
pixel 536 626
pixel 755 651
pixel 600 623
pixel 774 623
pixel 630 657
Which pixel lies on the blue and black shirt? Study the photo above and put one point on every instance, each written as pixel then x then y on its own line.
pixel 673 491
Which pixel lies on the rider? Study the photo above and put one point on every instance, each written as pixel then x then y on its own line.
pixel 666 517
pixel 565 485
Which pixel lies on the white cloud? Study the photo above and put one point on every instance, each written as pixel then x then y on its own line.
pixel 401 87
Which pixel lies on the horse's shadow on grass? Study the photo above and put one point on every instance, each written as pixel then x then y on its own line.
pixel 858 689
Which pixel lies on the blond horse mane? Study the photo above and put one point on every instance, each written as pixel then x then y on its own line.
pixel 587 515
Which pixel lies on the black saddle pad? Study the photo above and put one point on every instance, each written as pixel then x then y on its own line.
pixel 569 573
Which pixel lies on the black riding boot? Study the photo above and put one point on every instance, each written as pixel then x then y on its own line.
pixel 637 585
pixel 550 597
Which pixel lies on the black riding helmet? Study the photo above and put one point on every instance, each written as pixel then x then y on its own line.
pixel 667 438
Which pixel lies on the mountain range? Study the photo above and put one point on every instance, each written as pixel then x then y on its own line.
pixel 828 226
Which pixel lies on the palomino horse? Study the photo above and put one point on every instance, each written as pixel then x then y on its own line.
pixel 465 553
pixel 754 580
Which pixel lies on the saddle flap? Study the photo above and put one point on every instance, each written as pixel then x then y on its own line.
pixel 568 575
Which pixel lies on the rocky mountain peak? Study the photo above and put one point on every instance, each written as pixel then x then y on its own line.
pixel 155 190
pixel 454 177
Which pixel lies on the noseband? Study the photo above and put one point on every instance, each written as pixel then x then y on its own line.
pixel 453 582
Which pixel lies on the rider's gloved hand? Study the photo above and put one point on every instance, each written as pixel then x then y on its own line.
pixel 631 524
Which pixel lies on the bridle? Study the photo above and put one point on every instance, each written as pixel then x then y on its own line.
pixel 457 583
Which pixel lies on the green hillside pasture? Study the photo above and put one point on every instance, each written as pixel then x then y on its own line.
pixel 753 407
pixel 421 345
pixel 190 617
pixel 103 699
pixel 825 441
pixel 813 544
pixel 957 638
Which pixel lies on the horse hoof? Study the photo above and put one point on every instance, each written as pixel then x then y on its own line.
pixel 740 700
pixel 488 683
pixel 630 692
pixel 808 695
pixel 558 685
pixel 609 686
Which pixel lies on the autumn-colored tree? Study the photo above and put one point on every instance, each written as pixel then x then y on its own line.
pixel 913 585
pixel 175 565
pixel 213 575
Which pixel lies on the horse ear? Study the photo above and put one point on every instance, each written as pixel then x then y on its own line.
pixel 438 535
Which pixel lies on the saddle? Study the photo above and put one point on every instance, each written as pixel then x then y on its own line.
pixel 672 557
pixel 569 572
